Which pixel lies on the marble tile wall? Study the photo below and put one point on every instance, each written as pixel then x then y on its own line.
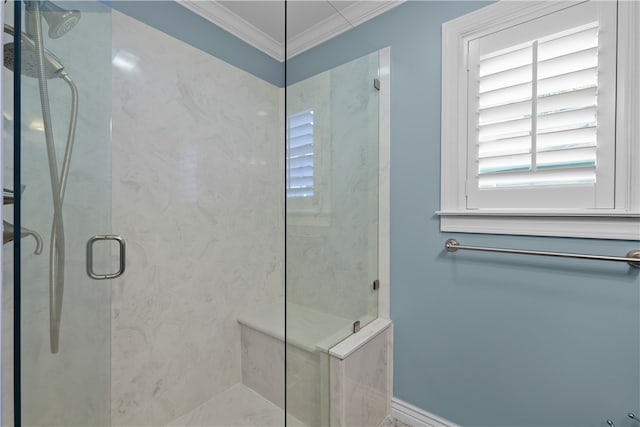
pixel 197 193
pixel 332 256
pixel 263 364
pixel 304 393
pixel 71 387
pixel 263 372
pixel 360 384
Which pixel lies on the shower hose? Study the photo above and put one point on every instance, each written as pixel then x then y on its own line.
pixel 58 182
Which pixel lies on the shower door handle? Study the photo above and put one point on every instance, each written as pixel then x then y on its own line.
pixel 123 256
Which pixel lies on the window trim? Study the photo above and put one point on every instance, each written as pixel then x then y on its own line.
pixel 622 222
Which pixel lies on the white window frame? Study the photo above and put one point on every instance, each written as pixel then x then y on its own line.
pixel 621 222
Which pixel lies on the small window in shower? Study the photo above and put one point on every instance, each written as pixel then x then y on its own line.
pixel 300 155
pixel 308 128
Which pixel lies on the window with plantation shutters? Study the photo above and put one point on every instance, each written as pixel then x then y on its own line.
pixel 300 159
pixel 548 126
pixel 540 129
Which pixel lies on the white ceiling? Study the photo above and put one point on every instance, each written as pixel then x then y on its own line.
pixel 309 22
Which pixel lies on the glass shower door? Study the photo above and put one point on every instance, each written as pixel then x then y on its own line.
pixel 65 320
pixel 181 154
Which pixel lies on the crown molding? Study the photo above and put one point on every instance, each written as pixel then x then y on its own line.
pixel 338 23
pixel 236 25
pixel 362 11
pixel 355 15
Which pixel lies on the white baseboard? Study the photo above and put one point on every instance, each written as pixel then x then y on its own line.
pixel 416 417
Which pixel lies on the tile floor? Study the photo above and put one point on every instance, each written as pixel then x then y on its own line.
pixel 239 406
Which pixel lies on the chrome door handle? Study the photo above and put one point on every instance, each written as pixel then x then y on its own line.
pixel 123 256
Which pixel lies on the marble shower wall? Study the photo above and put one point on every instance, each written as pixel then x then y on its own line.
pixel 198 195
pixel 332 242
pixel 361 388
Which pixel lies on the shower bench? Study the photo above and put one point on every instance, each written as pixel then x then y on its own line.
pixel 342 384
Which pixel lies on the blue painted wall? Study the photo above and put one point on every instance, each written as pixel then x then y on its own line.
pixel 181 23
pixel 486 339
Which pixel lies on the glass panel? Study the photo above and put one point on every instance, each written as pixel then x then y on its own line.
pixel 332 237
pixel 181 154
pixel 65 382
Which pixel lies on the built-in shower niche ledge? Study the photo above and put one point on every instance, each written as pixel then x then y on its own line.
pixel 360 365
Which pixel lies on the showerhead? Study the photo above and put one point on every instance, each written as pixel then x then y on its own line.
pixel 29 58
pixel 60 20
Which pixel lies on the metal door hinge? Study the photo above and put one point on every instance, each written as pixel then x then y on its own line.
pixel 376 285
pixel 376 84
pixel 356 326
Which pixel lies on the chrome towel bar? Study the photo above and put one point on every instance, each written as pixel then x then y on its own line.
pixel 632 257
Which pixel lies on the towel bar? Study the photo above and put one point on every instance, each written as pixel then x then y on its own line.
pixel 632 257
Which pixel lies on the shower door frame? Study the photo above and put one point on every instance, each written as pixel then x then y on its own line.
pixel 1 185
pixel 17 182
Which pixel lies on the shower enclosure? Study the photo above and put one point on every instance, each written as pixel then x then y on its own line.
pixel 147 263
pixel 332 234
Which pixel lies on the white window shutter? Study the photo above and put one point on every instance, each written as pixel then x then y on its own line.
pixel 539 133
pixel 300 155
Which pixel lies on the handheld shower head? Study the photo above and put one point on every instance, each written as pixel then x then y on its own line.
pixel 60 20
pixel 29 62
